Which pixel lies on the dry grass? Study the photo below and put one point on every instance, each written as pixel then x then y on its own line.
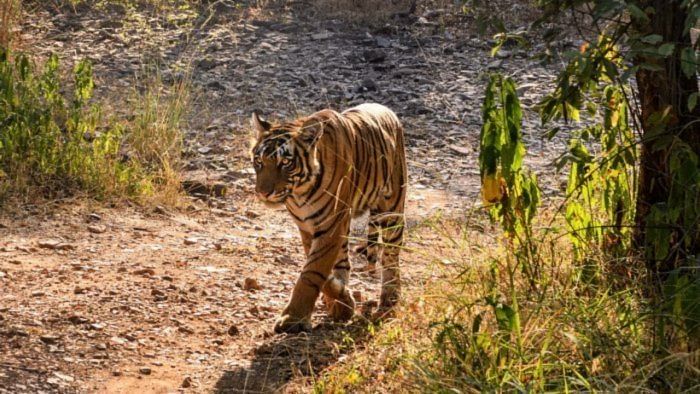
pixel 154 138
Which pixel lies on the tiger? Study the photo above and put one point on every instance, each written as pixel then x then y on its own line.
pixel 326 169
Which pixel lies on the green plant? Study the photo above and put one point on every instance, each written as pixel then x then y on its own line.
pixel 511 192
pixel 58 143
pixel 52 142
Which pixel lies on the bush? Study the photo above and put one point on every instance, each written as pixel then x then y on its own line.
pixel 57 144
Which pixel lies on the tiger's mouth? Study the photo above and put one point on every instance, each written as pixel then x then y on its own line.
pixel 274 199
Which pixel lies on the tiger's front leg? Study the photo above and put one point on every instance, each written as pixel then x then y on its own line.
pixel 337 297
pixel 325 246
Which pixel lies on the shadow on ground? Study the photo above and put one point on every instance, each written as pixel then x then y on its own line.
pixel 284 357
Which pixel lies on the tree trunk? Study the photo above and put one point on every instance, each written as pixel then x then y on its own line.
pixel 665 90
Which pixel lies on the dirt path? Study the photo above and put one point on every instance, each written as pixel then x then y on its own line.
pixel 98 299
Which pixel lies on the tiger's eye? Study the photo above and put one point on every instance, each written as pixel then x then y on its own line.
pixel 285 161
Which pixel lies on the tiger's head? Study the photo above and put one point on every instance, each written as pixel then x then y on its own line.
pixel 284 158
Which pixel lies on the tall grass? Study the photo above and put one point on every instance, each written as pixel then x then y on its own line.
pixel 481 327
pixel 155 137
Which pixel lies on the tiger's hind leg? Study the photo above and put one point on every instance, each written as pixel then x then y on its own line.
pixel 392 239
pixel 372 249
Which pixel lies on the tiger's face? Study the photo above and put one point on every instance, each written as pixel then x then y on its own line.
pixel 284 159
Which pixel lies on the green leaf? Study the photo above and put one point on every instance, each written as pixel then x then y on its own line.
pixel 637 13
pixel 652 39
pixel 692 101
pixel 688 62
pixel 666 49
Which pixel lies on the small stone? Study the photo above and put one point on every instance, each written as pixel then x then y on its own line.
pixel 191 241
pixel 55 245
pixel 145 371
pixel 49 339
pixel 374 55
pixel 186 383
pixel 251 284
pixel 96 229
pixel 463 150
pixel 77 319
pixel 117 372
pixel 284 259
pixel 321 36
pixel 383 42
pixel 233 331
pixel 145 272
pixel 64 377
pixel 495 64
pixel 94 217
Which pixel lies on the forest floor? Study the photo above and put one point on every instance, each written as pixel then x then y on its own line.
pixel 131 299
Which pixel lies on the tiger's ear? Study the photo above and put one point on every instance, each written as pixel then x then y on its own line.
pixel 311 131
pixel 261 126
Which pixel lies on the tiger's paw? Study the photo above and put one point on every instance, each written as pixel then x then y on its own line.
pixel 291 325
pixel 341 309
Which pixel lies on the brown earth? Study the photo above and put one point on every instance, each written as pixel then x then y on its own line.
pixel 130 299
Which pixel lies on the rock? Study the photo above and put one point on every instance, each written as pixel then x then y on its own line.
pixel 383 42
pixel 251 284
pixel 55 245
pixel 463 150
pixel 498 63
pixel 94 217
pixel 145 371
pixel 97 229
pixel 145 272
pixel 284 259
pixel 77 319
pixel 64 377
pixel 49 339
pixel 374 55
pixel 367 84
pixel 186 383
pixel 321 36
pixel 117 372
pixel 191 241
pixel 233 331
